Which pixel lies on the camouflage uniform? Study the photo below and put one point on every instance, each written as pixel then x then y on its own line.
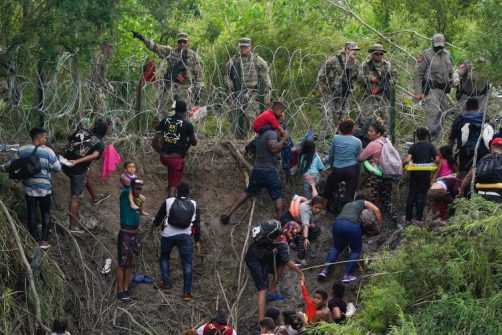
pixel 9 88
pixel 433 72
pixel 184 85
pixel 376 94
pixel 335 78
pixel 470 84
pixel 99 85
pixel 248 82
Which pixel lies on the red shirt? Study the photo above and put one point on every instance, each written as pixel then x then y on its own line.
pixel 266 118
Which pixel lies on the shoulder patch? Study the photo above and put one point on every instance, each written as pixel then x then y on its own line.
pixel 420 58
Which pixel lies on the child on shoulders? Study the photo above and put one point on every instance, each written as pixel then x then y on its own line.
pixel 271 119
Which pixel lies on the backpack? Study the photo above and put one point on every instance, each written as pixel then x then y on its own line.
pixel 489 169
pixel 266 232
pixel 469 134
pixel 212 329
pixel 390 160
pixel 181 213
pixel 25 167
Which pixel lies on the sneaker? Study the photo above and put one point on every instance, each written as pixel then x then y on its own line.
pixel 44 245
pixel 187 297
pixel 102 197
pixel 124 297
pixel 275 296
pixel 76 230
pixel 348 278
pixel 164 287
pixel 322 275
pixel 300 262
pixel 225 219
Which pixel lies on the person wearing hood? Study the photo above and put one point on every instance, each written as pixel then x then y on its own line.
pixel 431 81
pixel 465 131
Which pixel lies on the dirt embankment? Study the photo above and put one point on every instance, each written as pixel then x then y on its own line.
pixel 220 279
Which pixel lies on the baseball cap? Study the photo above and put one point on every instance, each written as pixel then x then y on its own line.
pixel 351 46
pixel 137 183
pixel 182 37
pixel 438 40
pixel 245 42
pixel 497 141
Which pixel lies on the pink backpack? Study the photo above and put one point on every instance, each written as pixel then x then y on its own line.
pixel 390 160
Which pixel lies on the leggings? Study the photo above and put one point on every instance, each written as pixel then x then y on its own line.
pixel 417 194
pixel 381 192
pixel 350 175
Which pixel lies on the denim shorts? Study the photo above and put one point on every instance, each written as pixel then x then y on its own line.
pixel 265 178
pixel 77 184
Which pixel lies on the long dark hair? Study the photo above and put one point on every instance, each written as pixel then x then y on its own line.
pixel 447 154
pixel 308 152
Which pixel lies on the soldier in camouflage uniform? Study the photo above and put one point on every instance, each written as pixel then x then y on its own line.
pixel 9 88
pixel 378 77
pixel 249 86
pixel 471 83
pixel 431 81
pixel 98 83
pixel 183 79
pixel 336 80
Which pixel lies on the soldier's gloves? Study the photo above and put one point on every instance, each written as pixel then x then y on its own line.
pixel 137 35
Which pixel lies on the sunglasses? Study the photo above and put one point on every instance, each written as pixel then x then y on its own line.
pixel 378 53
pixel 182 42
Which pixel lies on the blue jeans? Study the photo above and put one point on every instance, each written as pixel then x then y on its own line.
pixel 346 233
pixel 184 243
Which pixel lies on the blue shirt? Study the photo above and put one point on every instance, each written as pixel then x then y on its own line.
pixel 345 150
pixel 315 167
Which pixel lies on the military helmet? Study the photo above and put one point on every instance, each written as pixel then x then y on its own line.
pixel 376 47
pixel 245 42
pixel 351 46
pixel 438 40
pixel 182 37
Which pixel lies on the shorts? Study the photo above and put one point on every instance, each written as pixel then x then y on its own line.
pixel 127 248
pixel 175 166
pixel 77 184
pixel 259 272
pixel 265 178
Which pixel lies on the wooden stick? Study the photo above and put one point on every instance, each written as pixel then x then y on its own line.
pixel 237 155
pixel 29 273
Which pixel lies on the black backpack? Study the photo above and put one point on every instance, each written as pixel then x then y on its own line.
pixel 25 167
pixel 489 169
pixel 181 213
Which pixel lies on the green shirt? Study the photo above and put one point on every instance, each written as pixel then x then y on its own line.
pixel 351 211
pixel 129 218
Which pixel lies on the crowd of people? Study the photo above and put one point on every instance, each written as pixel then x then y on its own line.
pixel 361 170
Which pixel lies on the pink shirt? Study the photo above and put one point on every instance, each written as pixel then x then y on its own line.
pixel 445 169
pixel 372 150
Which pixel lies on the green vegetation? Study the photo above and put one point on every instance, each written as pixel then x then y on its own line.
pixel 442 282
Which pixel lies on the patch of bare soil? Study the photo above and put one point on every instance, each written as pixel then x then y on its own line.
pixel 220 277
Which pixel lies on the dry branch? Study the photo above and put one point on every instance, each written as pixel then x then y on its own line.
pixel 237 154
pixel 29 273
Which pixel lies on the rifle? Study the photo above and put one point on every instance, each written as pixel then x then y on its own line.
pixel 383 82
pixel 177 73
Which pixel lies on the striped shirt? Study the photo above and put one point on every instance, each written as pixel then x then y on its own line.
pixel 40 184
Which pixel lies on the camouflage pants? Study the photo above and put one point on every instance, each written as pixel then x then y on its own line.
pixel 435 103
pixel 98 102
pixel 371 107
pixel 168 96
pixel 380 193
pixel 244 110
pixel 335 109
pixel 460 105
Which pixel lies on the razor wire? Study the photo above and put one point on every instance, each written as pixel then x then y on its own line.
pixel 293 74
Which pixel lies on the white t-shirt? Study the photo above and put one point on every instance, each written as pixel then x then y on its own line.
pixel 169 230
